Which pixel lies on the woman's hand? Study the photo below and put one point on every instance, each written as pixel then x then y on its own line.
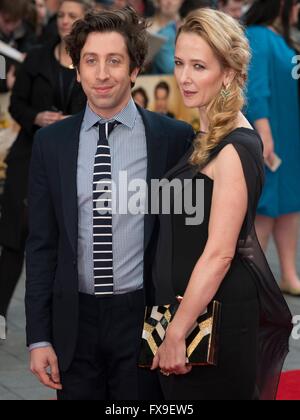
pixel 171 356
pixel 269 151
pixel 264 129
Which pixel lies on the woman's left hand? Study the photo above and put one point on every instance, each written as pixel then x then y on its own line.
pixel 171 356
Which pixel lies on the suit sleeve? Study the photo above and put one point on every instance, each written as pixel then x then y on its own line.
pixel 41 250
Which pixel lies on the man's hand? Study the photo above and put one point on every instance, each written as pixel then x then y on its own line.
pixel 43 119
pixel 44 365
pixel 11 78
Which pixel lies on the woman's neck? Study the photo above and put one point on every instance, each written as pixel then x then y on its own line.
pixel 203 120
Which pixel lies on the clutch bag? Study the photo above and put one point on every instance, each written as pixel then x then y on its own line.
pixel 201 343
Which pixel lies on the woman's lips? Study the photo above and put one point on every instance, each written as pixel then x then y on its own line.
pixel 189 93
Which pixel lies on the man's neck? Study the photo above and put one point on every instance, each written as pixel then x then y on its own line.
pixel 108 114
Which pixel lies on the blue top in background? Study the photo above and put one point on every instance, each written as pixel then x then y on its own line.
pixel 273 94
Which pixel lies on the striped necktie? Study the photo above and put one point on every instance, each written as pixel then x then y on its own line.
pixel 102 214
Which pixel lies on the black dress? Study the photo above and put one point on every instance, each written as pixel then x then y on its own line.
pixel 256 322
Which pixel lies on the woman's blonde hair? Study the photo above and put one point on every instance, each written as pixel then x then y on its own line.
pixel 227 39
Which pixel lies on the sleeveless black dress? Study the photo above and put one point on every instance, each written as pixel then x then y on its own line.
pixel 256 322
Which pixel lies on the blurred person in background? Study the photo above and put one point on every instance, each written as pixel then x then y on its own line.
pixel 119 4
pixel 37 16
pixel 140 97
pixel 143 7
pixel 295 34
pixel 15 32
pixel 247 5
pixel 41 10
pixel 45 92
pixel 52 6
pixel 233 8
pixel 192 5
pixel 50 34
pixel 165 23
pixel 161 96
pixel 273 109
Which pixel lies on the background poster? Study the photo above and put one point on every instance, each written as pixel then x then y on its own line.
pixel 176 105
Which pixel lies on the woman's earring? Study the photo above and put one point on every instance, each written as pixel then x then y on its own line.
pixel 225 92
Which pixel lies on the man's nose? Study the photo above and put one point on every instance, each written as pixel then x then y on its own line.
pixel 102 72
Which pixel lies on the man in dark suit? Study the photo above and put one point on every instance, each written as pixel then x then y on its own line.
pixel 89 268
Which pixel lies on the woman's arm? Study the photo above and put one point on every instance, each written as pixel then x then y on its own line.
pixel 264 129
pixel 229 207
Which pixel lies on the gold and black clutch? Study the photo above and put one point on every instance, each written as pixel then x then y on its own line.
pixel 201 343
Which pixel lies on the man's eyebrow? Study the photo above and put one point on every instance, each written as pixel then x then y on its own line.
pixel 109 55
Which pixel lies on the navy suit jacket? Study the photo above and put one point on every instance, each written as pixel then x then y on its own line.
pixel 51 256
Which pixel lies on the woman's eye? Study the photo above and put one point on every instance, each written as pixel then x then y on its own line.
pixel 199 67
pixel 91 61
pixel 177 63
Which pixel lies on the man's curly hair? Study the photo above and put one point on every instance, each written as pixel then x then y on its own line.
pixel 126 22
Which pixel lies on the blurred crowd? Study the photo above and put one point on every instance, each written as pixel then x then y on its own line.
pixel 27 23
pixel 44 90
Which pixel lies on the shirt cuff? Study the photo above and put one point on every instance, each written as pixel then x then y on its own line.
pixel 40 345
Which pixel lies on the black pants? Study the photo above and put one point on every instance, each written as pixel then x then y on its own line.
pixel 105 365
pixel 11 267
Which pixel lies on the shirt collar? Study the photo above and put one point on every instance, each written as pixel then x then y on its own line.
pixel 126 117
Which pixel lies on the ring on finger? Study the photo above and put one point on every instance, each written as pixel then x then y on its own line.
pixel 164 373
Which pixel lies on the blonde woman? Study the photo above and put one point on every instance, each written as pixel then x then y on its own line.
pixel 201 263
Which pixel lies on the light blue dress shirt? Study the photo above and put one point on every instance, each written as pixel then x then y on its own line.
pixel 128 155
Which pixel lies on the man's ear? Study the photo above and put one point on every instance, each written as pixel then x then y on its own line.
pixel 78 75
pixel 134 74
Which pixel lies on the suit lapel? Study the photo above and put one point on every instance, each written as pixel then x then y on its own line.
pixel 68 173
pixel 157 152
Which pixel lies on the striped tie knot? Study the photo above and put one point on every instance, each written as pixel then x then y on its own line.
pixel 105 129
